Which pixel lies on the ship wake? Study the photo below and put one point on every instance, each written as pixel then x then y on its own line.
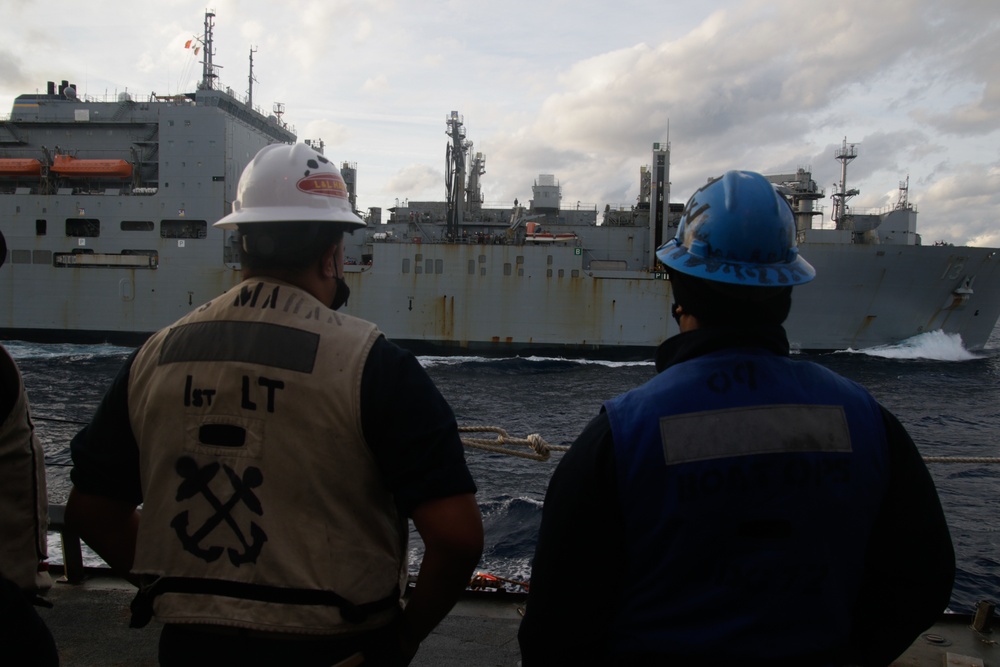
pixel 933 345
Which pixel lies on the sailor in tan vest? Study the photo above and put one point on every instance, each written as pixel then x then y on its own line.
pixel 24 638
pixel 275 494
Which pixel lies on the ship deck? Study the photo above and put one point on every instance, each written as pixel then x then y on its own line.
pixel 89 621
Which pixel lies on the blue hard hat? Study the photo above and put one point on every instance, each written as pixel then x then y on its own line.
pixel 738 229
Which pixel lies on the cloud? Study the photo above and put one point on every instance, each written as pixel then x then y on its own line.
pixel 965 204
pixel 418 182
pixel 377 84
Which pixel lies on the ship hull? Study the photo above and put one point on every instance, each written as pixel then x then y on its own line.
pixel 522 300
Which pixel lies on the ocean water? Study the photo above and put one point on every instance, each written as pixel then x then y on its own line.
pixel 946 397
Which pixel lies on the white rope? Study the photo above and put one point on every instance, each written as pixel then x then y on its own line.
pixel 503 443
pixel 541 450
pixel 962 459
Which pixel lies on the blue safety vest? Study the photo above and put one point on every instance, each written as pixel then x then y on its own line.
pixel 749 484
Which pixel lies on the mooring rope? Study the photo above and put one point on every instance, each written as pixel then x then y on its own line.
pixel 503 443
pixel 962 459
pixel 542 451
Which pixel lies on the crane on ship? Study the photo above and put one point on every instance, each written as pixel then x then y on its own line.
pixel 461 181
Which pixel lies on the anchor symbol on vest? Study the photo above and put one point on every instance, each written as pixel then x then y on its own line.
pixel 196 480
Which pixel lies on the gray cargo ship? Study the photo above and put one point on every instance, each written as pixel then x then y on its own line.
pixel 107 207
pixel 542 279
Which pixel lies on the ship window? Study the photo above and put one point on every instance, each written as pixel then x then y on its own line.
pixel 482 259
pixel 406 265
pixel 575 273
pixel 506 268
pixel 520 259
pixel 137 225
pixel 430 266
pixel 438 266
pixel 83 227
pixel 548 260
pixel 562 273
pixel 40 226
pixel 41 256
pixel 418 258
pixel 548 273
pixel 20 257
pixel 472 267
pixel 183 229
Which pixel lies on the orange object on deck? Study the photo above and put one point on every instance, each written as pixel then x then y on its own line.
pixel 72 167
pixel 16 166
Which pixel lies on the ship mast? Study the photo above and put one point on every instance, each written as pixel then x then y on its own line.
pixel 903 203
pixel 845 154
pixel 208 69
pixel 250 80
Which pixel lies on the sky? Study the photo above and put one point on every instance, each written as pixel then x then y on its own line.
pixel 579 89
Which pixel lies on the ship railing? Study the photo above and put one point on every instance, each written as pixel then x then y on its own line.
pixel 72 545
pixel 532 447
pixel 876 210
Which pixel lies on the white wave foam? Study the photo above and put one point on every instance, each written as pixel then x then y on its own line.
pixel 429 361
pixel 933 345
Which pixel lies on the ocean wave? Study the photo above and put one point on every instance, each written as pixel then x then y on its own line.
pixel 21 351
pixel 933 346
pixel 521 364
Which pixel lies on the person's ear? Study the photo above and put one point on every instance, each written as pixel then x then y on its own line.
pixel 328 262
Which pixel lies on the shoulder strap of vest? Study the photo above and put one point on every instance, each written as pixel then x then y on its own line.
pixel 142 605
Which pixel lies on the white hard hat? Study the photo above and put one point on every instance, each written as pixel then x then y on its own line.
pixel 291 183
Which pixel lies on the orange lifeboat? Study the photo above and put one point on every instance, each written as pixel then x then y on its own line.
pixel 16 166
pixel 72 167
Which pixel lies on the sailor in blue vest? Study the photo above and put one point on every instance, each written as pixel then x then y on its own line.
pixel 741 507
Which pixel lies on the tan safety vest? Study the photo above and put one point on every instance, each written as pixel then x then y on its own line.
pixel 23 502
pixel 259 489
